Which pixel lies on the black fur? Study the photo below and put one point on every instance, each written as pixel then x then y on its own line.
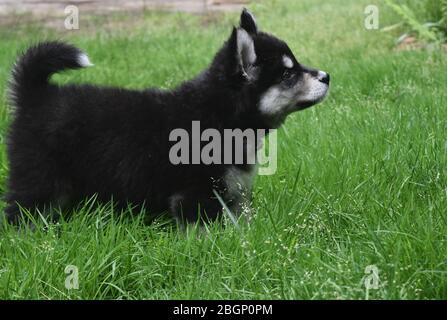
pixel 69 142
pixel 248 23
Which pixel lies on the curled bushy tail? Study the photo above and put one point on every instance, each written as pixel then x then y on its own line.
pixel 35 67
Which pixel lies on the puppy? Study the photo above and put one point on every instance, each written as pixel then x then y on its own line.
pixel 67 143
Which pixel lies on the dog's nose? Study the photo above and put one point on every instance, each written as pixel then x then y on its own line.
pixel 324 77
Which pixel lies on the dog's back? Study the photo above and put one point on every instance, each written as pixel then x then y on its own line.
pixel 69 142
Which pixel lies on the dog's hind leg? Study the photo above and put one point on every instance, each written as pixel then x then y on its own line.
pixel 32 189
pixel 28 201
pixel 14 214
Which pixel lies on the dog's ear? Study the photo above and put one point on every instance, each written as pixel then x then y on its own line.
pixel 244 52
pixel 248 22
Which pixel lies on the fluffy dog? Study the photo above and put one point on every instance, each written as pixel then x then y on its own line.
pixel 69 142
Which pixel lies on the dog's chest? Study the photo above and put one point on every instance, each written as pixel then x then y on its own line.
pixel 239 181
pixel 238 185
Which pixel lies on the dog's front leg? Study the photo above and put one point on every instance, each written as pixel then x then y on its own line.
pixel 195 206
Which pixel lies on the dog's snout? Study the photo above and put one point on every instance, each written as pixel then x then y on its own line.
pixel 324 77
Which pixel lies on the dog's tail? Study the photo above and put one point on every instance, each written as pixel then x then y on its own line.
pixel 34 68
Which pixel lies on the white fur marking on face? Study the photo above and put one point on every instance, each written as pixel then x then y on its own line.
pixel 288 63
pixel 278 100
pixel 317 90
pixel 275 99
pixel 84 61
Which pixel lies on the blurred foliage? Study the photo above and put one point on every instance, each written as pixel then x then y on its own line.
pixel 425 18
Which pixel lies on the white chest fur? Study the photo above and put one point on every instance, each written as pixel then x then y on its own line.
pixel 239 184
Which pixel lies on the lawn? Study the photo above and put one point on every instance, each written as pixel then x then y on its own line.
pixel 361 179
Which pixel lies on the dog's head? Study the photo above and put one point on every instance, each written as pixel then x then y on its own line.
pixel 265 64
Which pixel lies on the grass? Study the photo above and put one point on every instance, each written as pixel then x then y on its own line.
pixel 426 19
pixel 361 179
pixel 427 10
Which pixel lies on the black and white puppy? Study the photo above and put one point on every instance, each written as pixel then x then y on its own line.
pixel 67 143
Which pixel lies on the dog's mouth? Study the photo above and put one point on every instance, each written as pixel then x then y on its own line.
pixel 307 104
pixel 317 83
pixel 277 103
pixel 319 97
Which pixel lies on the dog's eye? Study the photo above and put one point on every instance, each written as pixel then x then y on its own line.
pixel 287 74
